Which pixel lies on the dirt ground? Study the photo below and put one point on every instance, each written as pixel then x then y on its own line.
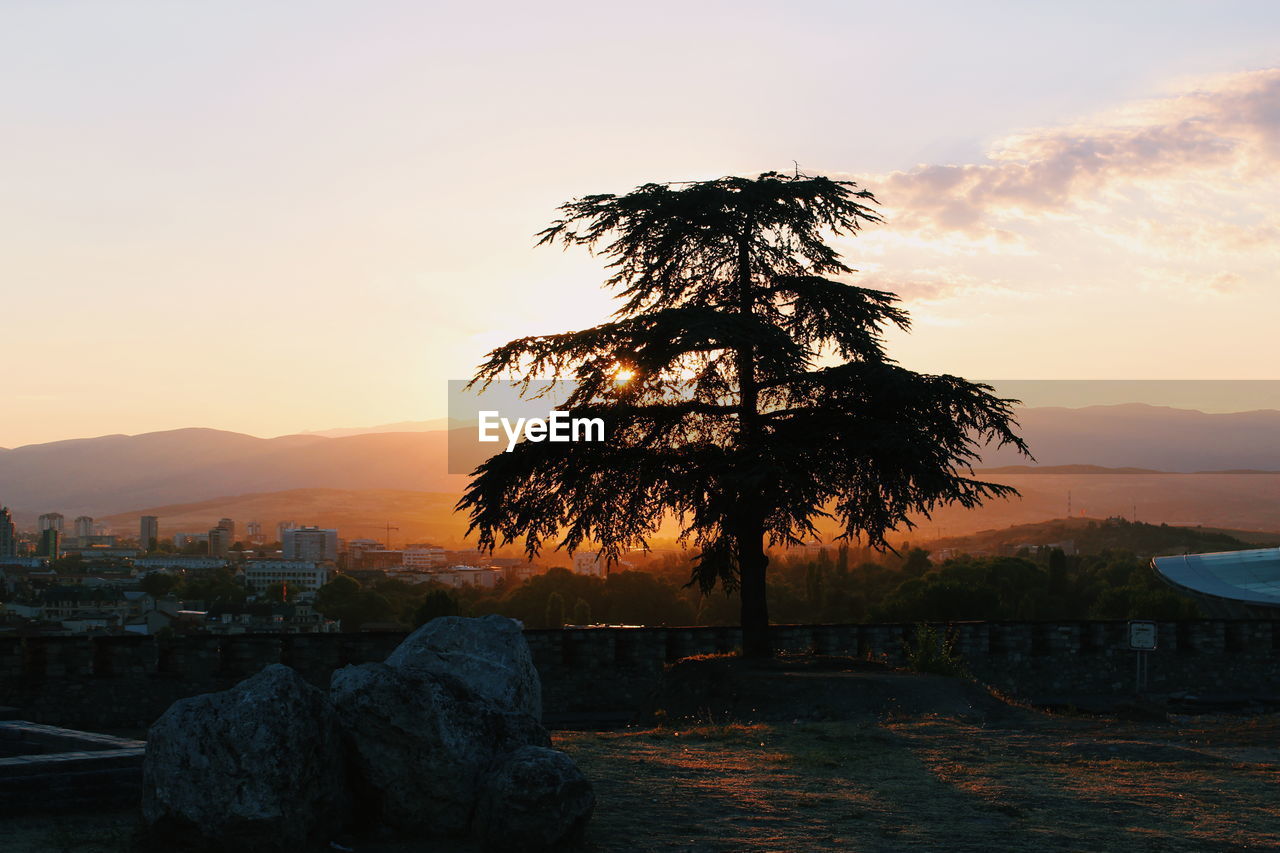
pixel 936 783
pixel 922 764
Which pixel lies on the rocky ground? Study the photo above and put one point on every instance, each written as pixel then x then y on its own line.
pixel 794 760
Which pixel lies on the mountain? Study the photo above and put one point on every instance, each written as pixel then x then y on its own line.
pixel 1250 501
pixel 400 426
pixel 1093 536
pixel 115 473
pixel 1243 501
pixel 1142 436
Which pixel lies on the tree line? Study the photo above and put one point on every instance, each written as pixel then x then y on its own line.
pixel 835 586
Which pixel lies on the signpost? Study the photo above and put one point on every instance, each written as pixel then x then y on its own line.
pixel 1143 639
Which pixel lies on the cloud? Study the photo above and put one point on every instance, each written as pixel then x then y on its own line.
pixel 1215 138
pixel 921 285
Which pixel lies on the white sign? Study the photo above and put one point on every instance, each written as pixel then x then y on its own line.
pixel 1142 636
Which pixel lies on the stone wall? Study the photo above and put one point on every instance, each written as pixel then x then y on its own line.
pixel 126 682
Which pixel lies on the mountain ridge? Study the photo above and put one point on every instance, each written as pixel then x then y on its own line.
pixel 105 475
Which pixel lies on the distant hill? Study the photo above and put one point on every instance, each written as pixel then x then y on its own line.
pixel 400 426
pixel 1136 435
pixel 1239 501
pixel 1108 457
pixel 117 473
pixel 1093 536
pixel 1244 507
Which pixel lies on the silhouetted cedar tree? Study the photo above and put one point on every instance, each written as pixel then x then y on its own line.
pixel 745 388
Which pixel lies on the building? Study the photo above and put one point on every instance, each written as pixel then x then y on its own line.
pixel 266 617
pixel 423 556
pixel 84 604
pixel 50 544
pixel 102 551
pixel 52 521
pixel 148 532
pixel 357 547
pixel 310 543
pixel 8 534
pixel 378 559
pixel 299 575
pixel 458 576
pixel 84 527
pixel 182 540
pixel 229 525
pixel 253 533
pixel 178 562
pixel 588 563
pixel 284 526
pixel 220 541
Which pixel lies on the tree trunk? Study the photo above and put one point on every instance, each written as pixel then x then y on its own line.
pixel 752 563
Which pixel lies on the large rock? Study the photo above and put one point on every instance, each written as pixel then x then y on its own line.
pixel 534 800
pixel 256 767
pixel 421 742
pixel 488 654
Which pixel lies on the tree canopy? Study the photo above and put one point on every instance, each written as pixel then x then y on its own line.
pixel 745 388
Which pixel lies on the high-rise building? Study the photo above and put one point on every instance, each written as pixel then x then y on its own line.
pixel 283 527
pixel 148 532
pixel 52 521
pixel 50 543
pixel 8 534
pixel 310 543
pixel 84 527
pixel 229 525
pixel 220 541
pixel 253 532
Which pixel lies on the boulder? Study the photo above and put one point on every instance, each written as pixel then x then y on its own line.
pixel 533 800
pixel 488 654
pixel 256 767
pixel 421 743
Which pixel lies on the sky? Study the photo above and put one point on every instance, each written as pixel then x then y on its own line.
pixel 272 217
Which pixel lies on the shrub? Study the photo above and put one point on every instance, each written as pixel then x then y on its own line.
pixel 934 651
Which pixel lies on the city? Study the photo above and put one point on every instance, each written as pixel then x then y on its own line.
pixel 86 579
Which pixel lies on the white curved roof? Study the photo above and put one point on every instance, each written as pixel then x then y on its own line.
pixel 1247 576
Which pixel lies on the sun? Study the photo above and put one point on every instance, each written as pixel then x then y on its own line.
pixel 623 375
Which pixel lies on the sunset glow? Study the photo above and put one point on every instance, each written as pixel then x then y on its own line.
pixel 325 215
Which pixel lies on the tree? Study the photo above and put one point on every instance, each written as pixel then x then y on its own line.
pixel 158 584
pixel 337 596
pixel 744 386
pixel 554 616
pixel 437 602
pixel 279 593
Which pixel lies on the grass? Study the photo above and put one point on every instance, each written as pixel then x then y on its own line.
pixel 934 783
pixel 923 782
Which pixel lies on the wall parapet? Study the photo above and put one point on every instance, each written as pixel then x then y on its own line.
pixel 124 681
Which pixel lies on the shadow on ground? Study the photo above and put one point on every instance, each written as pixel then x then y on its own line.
pixel 828 754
